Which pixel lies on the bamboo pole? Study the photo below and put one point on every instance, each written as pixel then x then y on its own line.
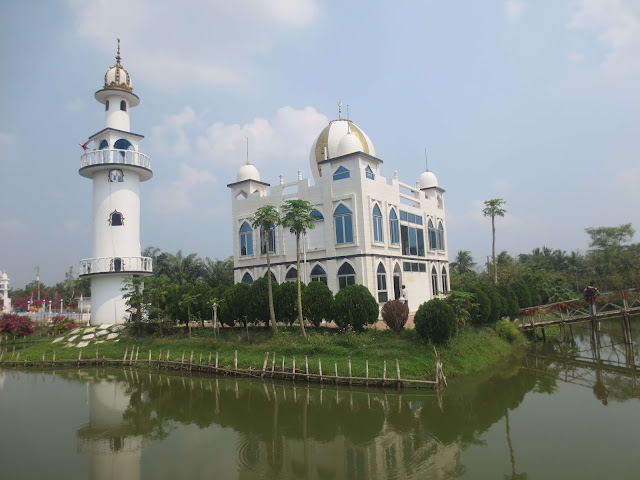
pixel 137 351
pixel 273 364
pixel 216 360
pixel 209 362
pixel 191 360
pixel 124 359
pixel 349 361
pixel 149 358
pixel 306 366
pixel 131 357
pixel 235 361
pixel 320 368
pixel 264 365
pixel 366 368
pixel 335 365
pixel 384 370
pixel 182 361
pixel 294 369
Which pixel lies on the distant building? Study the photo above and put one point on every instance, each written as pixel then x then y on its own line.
pixel 117 167
pixel 5 301
pixel 369 230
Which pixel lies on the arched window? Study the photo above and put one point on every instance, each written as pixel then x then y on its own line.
pixel 445 280
pixel 377 224
pixel 369 173
pixel 106 106
pixel 434 281
pixel 346 275
pixel 440 236
pixel 292 275
pixel 123 106
pixel 273 275
pixel 318 274
pixel 116 175
pixel 103 144
pixel 122 145
pixel 381 276
pixel 271 237
pixel 394 226
pixel 316 215
pixel 344 226
pixel 247 278
pixel 246 240
pixel 433 236
pixel 341 173
pixel 116 219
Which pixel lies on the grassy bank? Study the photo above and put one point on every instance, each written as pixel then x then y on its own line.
pixel 472 350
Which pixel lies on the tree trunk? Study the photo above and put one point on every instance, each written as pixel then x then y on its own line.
pixel 304 333
pixel 493 249
pixel 272 313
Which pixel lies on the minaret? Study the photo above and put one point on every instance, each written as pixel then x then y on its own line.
pixel 5 301
pixel 116 167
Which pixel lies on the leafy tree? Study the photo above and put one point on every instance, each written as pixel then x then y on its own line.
pixel 493 208
pixel 512 308
pixel 481 308
pixel 317 302
pixel 178 268
pixel 608 255
pixel 218 272
pixel 522 293
pixel 354 305
pixel 395 314
pixel 462 304
pixel 266 218
pixel 435 321
pixel 464 262
pixel 259 302
pixel 135 298
pixel 297 217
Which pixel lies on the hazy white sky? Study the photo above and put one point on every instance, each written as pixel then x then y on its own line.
pixel 536 102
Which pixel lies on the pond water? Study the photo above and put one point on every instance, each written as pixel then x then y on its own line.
pixel 564 410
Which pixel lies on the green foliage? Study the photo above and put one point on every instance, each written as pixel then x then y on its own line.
pixel 495 302
pixel 462 304
pixel 61 324
pixel 258 307
pixel 317 302
pixel 286 301
pixel 395 314
pixel 355 306
pixel 235 304
pixel 435 321
pixel 481 308
pixel 511 306
pixel 521 292
pixel 507 330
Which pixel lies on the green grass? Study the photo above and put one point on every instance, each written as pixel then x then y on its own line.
pixel 473 350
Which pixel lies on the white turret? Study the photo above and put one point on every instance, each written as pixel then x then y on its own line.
pixel 5 301
pixel 116 167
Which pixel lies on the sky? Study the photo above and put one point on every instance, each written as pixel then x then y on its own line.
pixel 534 102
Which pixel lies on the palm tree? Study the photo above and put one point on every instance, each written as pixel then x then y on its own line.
pixel 493 208
pixel 266 218
pixel 297 216
pixel 464 262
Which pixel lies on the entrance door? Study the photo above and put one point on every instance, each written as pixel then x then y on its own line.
pixel 397 282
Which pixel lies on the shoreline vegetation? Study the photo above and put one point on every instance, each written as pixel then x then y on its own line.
pixel 472 350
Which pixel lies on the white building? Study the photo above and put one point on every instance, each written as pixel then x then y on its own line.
pixel 369 230
pixel 116 166
pixel 5 301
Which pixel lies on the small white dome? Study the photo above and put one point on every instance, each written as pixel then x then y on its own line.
pixel 3 276
pixel 248 172
pixel 427 179
pixel 349 144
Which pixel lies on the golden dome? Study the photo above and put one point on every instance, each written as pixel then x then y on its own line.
pixel 117 76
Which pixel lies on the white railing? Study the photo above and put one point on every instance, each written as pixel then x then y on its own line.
pixel 90 266
pixel 115 156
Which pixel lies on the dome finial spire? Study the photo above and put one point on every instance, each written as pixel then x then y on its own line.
pixel 339 109
pixel 118 52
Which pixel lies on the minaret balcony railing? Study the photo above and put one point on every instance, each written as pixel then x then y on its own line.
pixel 102 265
pixel 108 156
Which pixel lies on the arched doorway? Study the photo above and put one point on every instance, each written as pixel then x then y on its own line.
pixel 397 281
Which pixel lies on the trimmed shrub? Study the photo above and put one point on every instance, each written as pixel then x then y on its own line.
pixel 16 325
pixel 317 302
pixel 258 308
pixel 495 302
pixel 235 304
pixel 507 330
pixel 435 321
pixel 395 314
pixel 521 292
pixel 512 309
pixel 481 307
pixel 286 301
pixel 355 306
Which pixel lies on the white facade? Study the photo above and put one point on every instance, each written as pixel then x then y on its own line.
pixel 5 301
pixel 358 231
pixel 116 167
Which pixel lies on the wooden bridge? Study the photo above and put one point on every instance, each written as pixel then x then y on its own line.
pixel 619 304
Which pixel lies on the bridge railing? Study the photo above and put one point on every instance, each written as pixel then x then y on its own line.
pixel 619 300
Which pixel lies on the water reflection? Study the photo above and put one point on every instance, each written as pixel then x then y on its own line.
pixel 258 429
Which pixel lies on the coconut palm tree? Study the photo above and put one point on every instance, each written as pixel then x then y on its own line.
pixel 464 262
pixel 266 218
pixel 493 208
pixel 297 217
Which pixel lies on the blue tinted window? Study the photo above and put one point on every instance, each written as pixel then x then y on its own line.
pixel 369 173
pixel 344 228
pixel 247 278
pixel 316 215
pixel 394 227
pixel 341 174
pixel 377 224
pixel 246 239
pixel 403 215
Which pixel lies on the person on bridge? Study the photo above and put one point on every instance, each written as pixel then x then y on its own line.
pixel 590 294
